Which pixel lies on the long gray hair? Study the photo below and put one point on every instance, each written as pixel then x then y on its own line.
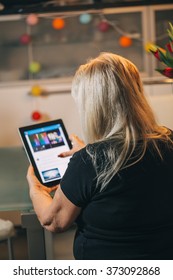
pixel 112 106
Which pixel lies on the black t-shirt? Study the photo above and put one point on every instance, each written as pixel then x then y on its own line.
pixel 132 218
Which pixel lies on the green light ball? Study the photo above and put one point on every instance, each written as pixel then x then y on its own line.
pixel 34 67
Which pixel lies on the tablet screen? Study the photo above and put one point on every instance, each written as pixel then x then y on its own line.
pixel 43 143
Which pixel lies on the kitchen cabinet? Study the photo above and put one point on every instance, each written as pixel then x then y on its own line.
pixel 60 52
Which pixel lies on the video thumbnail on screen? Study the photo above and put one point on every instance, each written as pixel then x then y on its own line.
pixel 46 140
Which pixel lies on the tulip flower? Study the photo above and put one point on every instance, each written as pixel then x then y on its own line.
pixel 170 47
pixel 168 72
pixel 165 55
pixel 156 54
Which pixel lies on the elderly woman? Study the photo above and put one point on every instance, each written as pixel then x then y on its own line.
pixel 118 188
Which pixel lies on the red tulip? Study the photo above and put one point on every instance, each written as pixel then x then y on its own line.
pixel 156 54
pixel 170 47
pixel 103 26
pixel 168 72
pixel 25 39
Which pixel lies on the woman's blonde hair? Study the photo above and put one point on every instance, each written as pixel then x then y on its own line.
pixel 112 106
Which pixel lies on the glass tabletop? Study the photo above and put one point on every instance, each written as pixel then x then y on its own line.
pixel 14 191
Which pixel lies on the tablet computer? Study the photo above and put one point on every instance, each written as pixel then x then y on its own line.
pixel 43 143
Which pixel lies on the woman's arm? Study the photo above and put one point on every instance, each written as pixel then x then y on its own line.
pixel 55 214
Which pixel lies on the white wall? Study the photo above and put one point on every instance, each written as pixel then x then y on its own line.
pixel 16 107
pixel 161 99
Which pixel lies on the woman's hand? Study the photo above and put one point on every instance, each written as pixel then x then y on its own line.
pixel 34 183
pixel 77 143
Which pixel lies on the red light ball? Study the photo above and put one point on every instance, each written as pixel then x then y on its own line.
pixel 25 39
pixel 103 26
pixel 36 116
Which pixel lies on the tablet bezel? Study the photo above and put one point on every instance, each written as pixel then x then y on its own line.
pixel 22 131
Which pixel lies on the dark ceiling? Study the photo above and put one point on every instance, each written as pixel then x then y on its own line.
pixel 45 6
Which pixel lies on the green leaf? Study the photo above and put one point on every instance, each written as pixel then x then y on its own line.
pixel 169 55
pixel 164 57
pixel 171 27
pixel 170 35
pixel 170 32
pixel 169 59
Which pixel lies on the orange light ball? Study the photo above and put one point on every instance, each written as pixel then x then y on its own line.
pixel 125 41
pixel 58 23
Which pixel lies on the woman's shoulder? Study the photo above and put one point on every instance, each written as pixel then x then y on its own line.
pixel 162 147
pixel 87 152
pixel 82 155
